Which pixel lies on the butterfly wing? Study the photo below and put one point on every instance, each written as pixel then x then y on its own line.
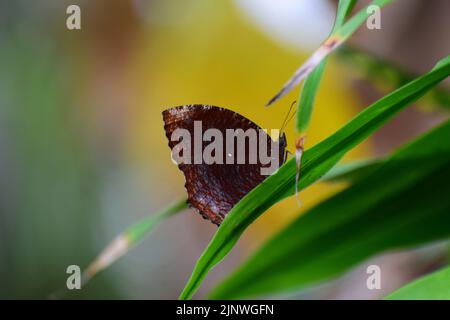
pixel 213 189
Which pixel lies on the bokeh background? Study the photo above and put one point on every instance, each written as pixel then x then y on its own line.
pixel 82 148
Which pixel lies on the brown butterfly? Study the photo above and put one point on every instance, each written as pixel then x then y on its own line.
pixel 213 189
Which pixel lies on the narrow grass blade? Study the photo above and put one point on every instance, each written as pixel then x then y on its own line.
pixel 316 162
pixel 312 82
pixel 334 41
pixel 352 171
pixel 128 239
pixel 435 286
pixel 402 203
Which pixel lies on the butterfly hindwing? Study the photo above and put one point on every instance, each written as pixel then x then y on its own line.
pixel 213 189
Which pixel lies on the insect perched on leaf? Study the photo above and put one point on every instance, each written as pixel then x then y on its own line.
pixel 214 187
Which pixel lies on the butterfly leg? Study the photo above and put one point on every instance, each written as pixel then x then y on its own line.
pixel 299 149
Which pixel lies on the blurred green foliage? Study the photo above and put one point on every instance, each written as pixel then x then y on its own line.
pixel 49 194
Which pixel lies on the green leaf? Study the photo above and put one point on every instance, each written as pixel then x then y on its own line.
pixel 311 85
pixel 358 19
pixel 339 36
pixel 316 162
pixel 130 238
pixel 352 171
pixel 402 203
pixel 435 286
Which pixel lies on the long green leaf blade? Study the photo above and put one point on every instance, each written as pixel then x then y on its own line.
pixel 353 171
pixel 130 238
pixel 316 162
pixel 435 286
pixel 402 203
pixel 312 82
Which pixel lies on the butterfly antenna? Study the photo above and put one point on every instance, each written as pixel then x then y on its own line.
pixel 287 118
pixel 299 148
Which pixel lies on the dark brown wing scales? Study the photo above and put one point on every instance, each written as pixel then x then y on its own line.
pixel 214 189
